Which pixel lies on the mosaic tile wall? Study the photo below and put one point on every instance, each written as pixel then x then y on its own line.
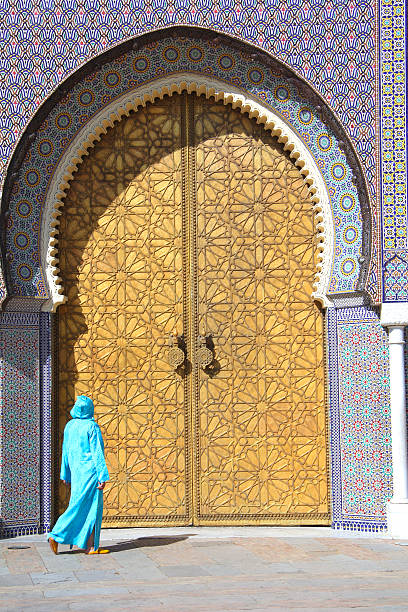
pixel 155 59
pixel 19 423
pixel 393 49
pixel 331 44
pixel 359 419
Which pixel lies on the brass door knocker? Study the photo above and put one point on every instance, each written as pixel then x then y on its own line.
pixel 175 355
pixel 203 354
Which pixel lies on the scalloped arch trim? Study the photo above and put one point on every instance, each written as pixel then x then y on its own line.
pixel 201 85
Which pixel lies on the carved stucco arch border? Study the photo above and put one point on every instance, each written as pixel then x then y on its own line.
pixel 131 101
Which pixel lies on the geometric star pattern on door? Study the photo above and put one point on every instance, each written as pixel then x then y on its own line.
pixel 188 216
pixel 261 436
pixel 121 262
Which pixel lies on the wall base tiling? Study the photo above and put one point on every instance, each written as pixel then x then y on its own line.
pixel 374 527
pixel 25 431
pixel 360 428
pixel 7 531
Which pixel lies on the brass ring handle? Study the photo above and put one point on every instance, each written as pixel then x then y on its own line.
pixel 175 355
pixel 203 354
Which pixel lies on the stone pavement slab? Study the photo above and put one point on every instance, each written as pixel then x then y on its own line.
pixel 205 570
pixel 132 603
pixel 97 575
pixel 15 580
pixel 34 606
pixel 184 570
pixel 142 574
pixel 86 591
pixel 49 578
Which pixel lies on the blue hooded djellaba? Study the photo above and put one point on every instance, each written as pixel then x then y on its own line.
pixel 83 465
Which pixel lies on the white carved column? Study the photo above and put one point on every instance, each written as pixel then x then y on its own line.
pixel 395 318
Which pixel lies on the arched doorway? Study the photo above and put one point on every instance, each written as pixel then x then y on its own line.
pixel 188 218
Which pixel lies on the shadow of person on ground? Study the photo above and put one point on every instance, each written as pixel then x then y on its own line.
pixel 145 542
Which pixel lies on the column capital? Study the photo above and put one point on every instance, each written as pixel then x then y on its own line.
pixel 394 314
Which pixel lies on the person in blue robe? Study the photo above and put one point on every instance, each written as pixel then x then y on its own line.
pixel 83 467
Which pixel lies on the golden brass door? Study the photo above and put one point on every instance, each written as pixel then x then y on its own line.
pixel 122 266
pixel 260 426
pixel 187 217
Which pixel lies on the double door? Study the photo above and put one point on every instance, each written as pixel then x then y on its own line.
pixel 187 253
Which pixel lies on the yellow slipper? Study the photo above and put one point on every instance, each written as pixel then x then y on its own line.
pixel 99 551
pixel 53 545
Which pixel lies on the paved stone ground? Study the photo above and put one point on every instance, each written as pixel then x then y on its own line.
pixel 208 569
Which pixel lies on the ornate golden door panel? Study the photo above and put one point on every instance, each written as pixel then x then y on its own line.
pixel 122 264
pixel 260 426
pixel 188 216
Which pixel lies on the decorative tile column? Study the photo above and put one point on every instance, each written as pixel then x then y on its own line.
pixel 394 316
pixel 20 417
pixel 360 424
pixel 25 423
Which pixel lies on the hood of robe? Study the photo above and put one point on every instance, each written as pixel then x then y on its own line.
pixel 83 408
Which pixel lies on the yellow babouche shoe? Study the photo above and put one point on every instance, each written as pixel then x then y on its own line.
pixel 99 551
pixel 53 545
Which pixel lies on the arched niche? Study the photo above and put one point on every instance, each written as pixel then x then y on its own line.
pixel 129 76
